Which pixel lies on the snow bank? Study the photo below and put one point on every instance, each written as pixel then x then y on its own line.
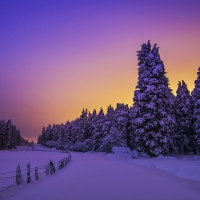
pixel 186 166
pixel 121 150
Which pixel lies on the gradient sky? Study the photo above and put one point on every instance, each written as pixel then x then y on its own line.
pixel 60 56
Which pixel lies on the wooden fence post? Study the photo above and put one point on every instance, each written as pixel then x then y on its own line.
pixel 18 175
pixel 47 169
pixel 59 165
pixel 36 173
pixel 69 158
pixel 65 161
pixel 28 173
pixel 52 167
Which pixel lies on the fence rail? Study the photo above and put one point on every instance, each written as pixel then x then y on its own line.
pixel 9 179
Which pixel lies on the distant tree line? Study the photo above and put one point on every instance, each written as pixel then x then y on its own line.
pixel 24 142
pixel 9 135
pixel 91 131
pixel 157 123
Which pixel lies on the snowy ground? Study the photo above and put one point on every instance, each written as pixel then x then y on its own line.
pixel 186 166
pixel 10 159
pixel 98 176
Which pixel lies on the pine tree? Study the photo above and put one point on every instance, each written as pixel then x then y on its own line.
pixel 114 129
pixel 89 127
pixel 196 101
pixel 184 118
pixel 106 140
pixel 82 126
pixel 60 137
pixel 18 136
pixel 121 117
pixel 66 132
pixel 39 141
pixel 98 134
pixel 108 120
pixel 75 131
pixel 1 135
pixel 154 121
pixel 13 139
pixel 9 134
pixel 48 133
pixel 43 136
pixel 54 132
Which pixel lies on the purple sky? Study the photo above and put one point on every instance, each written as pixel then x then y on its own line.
pixel 59 56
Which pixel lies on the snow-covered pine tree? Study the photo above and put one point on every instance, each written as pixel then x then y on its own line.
pixel 2 134
pixel 39 140
pixel 13 139
pixel 75 130
pixel 142 80
pixel 106 141
pixel 132 115
pixel 89 127
pixel 154 123
pixel 60 143
pixel 121 117
pixel 76 144
pixel 196 101
pixel 9 134
pixel 108 120
pixel 98 133
pixel 66 132
pixel 110 113
pixel 43 136
pixel 18 136
pixel 184 118
pixel 82 125
pixel 79 131
pixel 1 139
pixel 115 129
pixel 89 130
pixel 48 134
pixel 55 132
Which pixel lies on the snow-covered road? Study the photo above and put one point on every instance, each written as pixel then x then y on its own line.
pixel 96 176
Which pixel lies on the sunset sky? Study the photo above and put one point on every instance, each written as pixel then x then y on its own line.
pixel 60 56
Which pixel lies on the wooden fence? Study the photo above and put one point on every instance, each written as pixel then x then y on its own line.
pixel 9 179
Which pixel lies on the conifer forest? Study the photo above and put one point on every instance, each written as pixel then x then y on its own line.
pixel 157 123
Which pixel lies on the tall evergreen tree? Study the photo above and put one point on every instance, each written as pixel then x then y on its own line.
pixel 82 126
pixel 18 136
pixel 154 121
pixel 98 134
pixel 48 133
pixel 9 134
pixel 184 117
pixel 39 140
pixel 66 132
pixel 75 131
pixel 55 132
pixel 89 127
pixel 43 136
pixel 2 134
pixel 196 101
pixel 106 140
pixel 115 133
pixel 14 137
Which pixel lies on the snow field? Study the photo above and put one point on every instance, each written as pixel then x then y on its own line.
pixel 186 166
pixel 10 159
pixel 98 176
